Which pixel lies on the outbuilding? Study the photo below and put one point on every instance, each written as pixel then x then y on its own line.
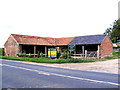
pixel 17 43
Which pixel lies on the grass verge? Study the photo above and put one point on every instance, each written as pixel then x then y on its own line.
pixel 115 56
pixel 46 60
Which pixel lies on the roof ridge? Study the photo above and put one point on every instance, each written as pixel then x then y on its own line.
pixel 91 35
pixel 31 36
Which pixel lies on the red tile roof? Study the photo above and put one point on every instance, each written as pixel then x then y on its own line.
pixel 64 41
pixel 35 40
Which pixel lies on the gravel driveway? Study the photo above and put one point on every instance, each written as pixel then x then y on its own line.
pixel 108 66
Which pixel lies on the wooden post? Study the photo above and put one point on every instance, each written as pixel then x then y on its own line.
pixel 19 51
pixel 20 48
pixel 83 51
pixel 75 52
pixel 67 54
pixel 34 50
pixel 85 54
pixel 45 51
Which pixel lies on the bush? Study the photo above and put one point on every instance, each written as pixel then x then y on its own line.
pixel 19 54
pixel 69 55
pixel 2 51
pixel 24 54
pixel 64 55
pixel 38 54
pixel 58 54
pixel 29 55
pixel 41 54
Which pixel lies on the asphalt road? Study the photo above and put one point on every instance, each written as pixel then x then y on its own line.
pixel 23 75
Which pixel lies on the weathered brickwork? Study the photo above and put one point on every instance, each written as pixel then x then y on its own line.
pixel 107 47
pixel 11 47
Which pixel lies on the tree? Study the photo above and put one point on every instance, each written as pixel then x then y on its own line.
pixel 114 31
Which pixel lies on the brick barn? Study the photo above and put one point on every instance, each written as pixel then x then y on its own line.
pixel 32 44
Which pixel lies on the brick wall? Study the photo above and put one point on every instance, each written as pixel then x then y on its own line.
pixel 11 47
pixel 107 47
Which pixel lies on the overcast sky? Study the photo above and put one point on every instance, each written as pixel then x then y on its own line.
pixel 56 18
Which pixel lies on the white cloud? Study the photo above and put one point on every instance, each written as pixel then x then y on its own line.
pixel 56 18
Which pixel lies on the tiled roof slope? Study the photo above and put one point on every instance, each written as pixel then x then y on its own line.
pixel 35 40
pixel 91 39
pixel 64 41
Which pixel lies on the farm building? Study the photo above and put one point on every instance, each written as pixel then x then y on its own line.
pixel 32 44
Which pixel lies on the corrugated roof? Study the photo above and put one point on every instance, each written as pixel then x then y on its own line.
pixel 91 39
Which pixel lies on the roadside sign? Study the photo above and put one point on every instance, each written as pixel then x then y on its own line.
pixel 52 52
pixel 71 47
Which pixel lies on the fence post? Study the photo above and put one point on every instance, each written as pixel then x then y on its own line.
pixel 67 54
pixel 98 54
pixel 83 51
pixel 85 54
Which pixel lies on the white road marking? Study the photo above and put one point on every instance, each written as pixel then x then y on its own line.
pixel 86 79
pixel 39 72
pixel 47 73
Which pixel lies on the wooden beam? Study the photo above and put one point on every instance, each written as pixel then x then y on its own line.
pixel 45 51
pixel 34 50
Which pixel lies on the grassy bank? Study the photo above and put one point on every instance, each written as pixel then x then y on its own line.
pixel 47 60
pixel 115 56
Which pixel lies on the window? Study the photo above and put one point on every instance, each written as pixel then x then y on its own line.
pixel 101 47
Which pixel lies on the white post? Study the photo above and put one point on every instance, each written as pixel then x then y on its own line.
pixel 83 50
pixel 74 54
pixel 98 54
pixel 85 54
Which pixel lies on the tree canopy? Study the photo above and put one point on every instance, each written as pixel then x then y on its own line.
pixel 114 31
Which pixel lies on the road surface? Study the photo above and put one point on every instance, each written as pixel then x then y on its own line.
pixel 24 75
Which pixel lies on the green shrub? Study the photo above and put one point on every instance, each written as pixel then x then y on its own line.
pixel 24 54
pixel 64 55
pixel 41 54
pixel 19 54
pixel 58 54
pixel 69 55
pixel 38 54
pixel 29 55
pixel 2 51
